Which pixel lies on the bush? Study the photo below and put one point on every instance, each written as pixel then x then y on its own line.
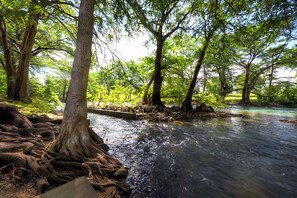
pixel 40 106
pixel 211 100
pixel 282 93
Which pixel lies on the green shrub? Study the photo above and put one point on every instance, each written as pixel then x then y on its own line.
pixel 211 100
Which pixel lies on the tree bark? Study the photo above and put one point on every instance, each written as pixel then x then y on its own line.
pixel 224 89
pixel 187 103
pixel 204 78
pixel 74 139
pixel 21 87
pixel 158 78
pixel 146 99
pixel 65 91
pixel 9 67
pixel 245 98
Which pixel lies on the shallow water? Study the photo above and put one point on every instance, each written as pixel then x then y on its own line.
pixel 254 156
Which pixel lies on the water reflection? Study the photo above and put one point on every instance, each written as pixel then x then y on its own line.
pixel 231 157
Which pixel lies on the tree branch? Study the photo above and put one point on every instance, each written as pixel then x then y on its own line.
pixel 67 29
pixel 140 14
pixel 38 50
pixel 177 26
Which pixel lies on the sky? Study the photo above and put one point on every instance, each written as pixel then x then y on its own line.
pixel 133 48
pixel 126 49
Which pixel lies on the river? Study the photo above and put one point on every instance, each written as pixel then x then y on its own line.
pixel 255 156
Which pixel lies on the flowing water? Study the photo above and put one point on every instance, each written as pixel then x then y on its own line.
pixel 255 156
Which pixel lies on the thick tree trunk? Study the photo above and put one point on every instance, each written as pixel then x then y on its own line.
pixel 245 98
pixel 21 88
pixel 187 103
pixel 9 67
pixel 74 139
pixel 158 78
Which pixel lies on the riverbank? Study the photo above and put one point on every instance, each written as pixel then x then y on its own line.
pixel 29 168
pixel 157 114
pixel 260 104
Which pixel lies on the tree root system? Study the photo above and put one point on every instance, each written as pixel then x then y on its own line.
pixel 26 160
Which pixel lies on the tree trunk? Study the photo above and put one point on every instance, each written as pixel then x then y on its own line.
pixel 271 77
pixel 65 91
pixel 187 103
pixel 158 78
pixel 225 89
pixel 9 67
pixel 21 88
pixel 204 78
pixel 245 98
pixel 74 139
pixel 146 99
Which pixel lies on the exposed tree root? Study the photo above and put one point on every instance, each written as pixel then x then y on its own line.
pixel 9 134
pixel 15 158
pixel 24 155
pixel 43 119
pixel 26 147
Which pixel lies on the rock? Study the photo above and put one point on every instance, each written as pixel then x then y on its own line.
pixel 79 188
pixel 204 108
pixel 122 172
pixel 146 148
pixel 168 110
pixel 176 109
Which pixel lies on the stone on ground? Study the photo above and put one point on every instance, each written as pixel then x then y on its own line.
pixel 78 188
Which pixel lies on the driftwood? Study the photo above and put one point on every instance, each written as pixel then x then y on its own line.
pixel 23 154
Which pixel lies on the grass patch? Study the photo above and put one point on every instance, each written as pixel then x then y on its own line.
pixel 237 97
pixel 35 107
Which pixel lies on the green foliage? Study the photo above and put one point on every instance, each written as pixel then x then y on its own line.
pixel 210 100
pixel 282 93
pixel 50 93
pixel 116 93
pixel 236 97
pixel 258 33
pixel 123 94
pixel 41 106
pixel 35 106
pixel 2 81
pixel 96 90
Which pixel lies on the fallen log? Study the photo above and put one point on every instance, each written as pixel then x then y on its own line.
pixel 117 114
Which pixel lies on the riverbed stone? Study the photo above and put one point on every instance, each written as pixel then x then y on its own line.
pixel 78 188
